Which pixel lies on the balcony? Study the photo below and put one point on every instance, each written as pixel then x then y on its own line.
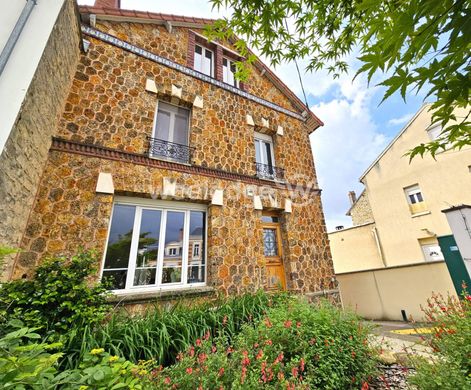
pixel 269 172
pixel 166 150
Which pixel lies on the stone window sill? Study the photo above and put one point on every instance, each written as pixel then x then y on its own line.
pixel 420 214
pixel 160 295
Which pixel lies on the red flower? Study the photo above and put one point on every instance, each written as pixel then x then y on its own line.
pixel 259 354
pixel 198 342
pixel 189 370
pixel 294 372
pixel 365 386
pixel 468 298
pixel 288 324
pixel 279 358
pixel 214 349
pixel 268 322
pixel 167 380
pixel 202 358
pixel 353 354
pixel 298 324
pixel 221 371
pixel 301 364
pixel 269 342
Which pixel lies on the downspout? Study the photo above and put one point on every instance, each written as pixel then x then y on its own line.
pixel 378 245
pixel 15 34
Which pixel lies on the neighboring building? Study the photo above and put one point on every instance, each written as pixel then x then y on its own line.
pixel 390 259
pixel 184 178
pixel 40 46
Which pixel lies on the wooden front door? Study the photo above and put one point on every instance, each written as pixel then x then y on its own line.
pixel 272 250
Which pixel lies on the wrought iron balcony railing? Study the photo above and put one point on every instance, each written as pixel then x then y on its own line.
pixel 269 172
pixel 169 150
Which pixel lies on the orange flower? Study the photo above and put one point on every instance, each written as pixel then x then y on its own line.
pixel 221 371
pixel 288 324
pixel 365 386
pixel 189 370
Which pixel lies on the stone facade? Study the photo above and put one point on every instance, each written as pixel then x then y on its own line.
pixel 26 151
pixel 360 212
pixel 107 118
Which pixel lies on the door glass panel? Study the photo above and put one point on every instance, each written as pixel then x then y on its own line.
pixel 196 259
pixel 270 246
pixel 173 250
pixel 258 155
pixel 148 248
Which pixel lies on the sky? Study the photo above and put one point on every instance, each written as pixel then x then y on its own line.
pixel 357 128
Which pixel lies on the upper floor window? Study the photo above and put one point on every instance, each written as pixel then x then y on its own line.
pixel 204 60
pixel 148 245
pixel 228 72
pixel 265 158
pixel 415 199
pixel 171 133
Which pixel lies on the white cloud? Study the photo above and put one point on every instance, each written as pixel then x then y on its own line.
pixel 344 147
pixel 401 120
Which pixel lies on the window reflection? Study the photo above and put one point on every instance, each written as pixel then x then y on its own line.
pixel 173 250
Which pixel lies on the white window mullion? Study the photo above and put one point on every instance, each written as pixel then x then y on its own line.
pixel 171 130
pixel 160 258
pixel 186 239
pixel 134 246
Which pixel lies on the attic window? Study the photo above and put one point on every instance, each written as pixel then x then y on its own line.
pixel 204 60
pixel 229 71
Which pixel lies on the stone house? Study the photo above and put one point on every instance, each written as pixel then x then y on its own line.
pixel 185 179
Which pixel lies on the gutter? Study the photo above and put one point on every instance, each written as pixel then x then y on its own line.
pixel 15 34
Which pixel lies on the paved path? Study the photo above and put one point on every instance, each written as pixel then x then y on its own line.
pixel 399 338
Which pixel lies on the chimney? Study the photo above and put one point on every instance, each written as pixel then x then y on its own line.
pixel 108 3
pixel 352 196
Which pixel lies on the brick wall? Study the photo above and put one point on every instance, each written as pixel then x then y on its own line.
pixel 23 158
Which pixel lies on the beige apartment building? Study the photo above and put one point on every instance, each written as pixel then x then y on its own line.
pixel 390 261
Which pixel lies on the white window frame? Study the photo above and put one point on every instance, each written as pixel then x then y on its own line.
pixel 196 248
pixel 164 206
pixel 204 49
pixel 265 138
pixel 413 191
pixel 226 70
pixel 173 111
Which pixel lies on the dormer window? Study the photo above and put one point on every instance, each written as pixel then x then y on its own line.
pixel 204 60
pixel 229 71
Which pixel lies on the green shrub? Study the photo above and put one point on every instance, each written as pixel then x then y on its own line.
pixel 450 367
pixel 24 363
pixel 294 346
pixel 161 332
pixel 57 298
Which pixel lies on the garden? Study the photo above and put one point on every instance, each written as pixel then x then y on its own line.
pixel 59 331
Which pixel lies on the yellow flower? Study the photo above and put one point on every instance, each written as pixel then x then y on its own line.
pixel 83 387
pixel 113 359
pixel 97 351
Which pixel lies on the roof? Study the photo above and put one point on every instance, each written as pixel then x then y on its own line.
pixel 424 106
pixel 125 15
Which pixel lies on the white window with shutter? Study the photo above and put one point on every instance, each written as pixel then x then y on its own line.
pixel 228 72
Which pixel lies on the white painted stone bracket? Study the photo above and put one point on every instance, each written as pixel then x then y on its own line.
pixel 151 86
pixel 198 102
pixel 104 183
pixel 257 203
pixel 218 198
pixel 265 123
pixel 169 186
pixel 250 120
pixel 176 91
pixel 279 130
pixel 288 206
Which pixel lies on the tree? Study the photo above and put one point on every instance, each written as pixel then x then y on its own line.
pixel 414 45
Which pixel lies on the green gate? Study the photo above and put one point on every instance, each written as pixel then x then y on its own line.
pixel 454 262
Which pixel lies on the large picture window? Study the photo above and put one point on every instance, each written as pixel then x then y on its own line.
pixel 154 245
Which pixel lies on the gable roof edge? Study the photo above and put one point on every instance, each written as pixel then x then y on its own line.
pixel 393 141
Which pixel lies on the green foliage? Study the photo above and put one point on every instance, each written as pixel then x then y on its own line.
pixel 161 332
pixel 4 252
pixel 24 363
pixel 450 368
pixel 295 345
pixel 422 44
pixel 57 299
